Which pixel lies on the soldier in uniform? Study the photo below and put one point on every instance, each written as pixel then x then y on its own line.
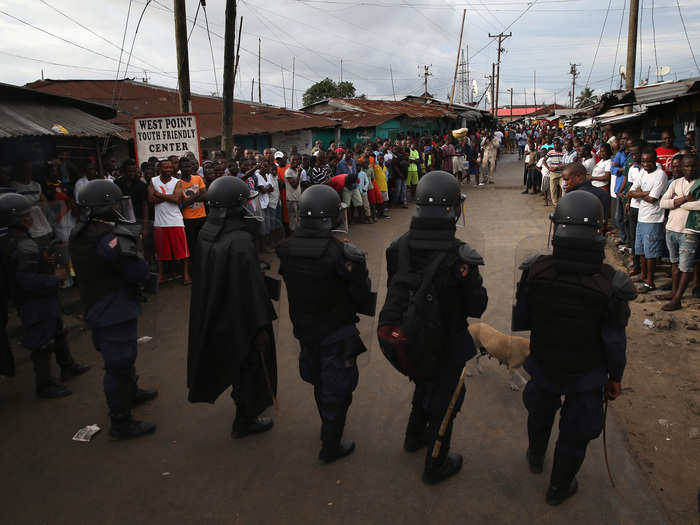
pixel 110 268
pixel 231 341
pixel 458 285
pixel 576 308
pixel 34 285
pixel 327 285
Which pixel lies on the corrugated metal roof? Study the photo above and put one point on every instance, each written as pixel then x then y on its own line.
pixel 408 108
pixel 18 118
pixel 139 99
pixel 517 112
pixel 666 90
pixel 358 119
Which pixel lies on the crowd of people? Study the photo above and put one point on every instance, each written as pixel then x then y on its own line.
pixel 649 195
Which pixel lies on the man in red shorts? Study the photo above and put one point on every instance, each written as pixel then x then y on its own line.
pixel 165 192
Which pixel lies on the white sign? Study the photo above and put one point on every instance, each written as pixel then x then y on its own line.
pixel 166 135
pixel 301 139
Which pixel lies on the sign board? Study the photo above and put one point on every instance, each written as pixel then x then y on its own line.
pixel 165 135
pixel 301 139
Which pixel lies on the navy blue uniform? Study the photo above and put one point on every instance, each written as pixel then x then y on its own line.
pixel 600 358
pixel 327 284
pixel 458 284
pixel 110 271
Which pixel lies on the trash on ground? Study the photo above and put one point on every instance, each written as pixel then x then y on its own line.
pixel 85 434
pixel 144 339
pixel 648 323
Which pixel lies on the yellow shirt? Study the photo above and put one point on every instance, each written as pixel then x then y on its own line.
pixel 380 177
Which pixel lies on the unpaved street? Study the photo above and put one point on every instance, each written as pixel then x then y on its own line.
pixel 191 471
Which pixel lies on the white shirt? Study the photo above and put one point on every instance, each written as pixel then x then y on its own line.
pixel 655 184
pixel 268 199
pixel 598 171
pixel 633 175
pixel 589 164
pixel 167 214
pixel 293 194
pixel 499 134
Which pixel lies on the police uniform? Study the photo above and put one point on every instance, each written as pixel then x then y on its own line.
pixel 110 269
pixel 35 291
pixel 327 285
pixel 458 284
pixel 576 308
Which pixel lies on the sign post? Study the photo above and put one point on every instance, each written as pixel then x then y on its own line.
pixel 164 135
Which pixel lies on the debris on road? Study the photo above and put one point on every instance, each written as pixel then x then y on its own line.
pixel 144 339
pixel 85 434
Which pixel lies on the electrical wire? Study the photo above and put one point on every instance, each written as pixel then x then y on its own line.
pixel 194 22
pixel 600 38
pixel 617 48
pixel 686 37
pixel 211 48
pixel 121 51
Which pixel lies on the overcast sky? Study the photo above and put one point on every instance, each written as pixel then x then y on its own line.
pixel 369 37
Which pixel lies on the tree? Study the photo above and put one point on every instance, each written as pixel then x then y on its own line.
pixel 586 98
pixel 326 88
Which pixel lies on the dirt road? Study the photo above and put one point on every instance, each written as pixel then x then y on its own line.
pixel 191 471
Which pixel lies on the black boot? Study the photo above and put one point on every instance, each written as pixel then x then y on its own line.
pixel 334 447
pixel 140 395
pixel 416 431
pixel 69 367
pixel 243 427
pixel 535 462
pixel 329 454
pixel 563 484
pixel 46 386
pixel 446 464
pixel 125 427
pixel 538 433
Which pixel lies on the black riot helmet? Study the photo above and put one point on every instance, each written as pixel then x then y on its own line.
pixel 105 200
pixel 13 207
pixel 578 242
pixel 438 196
pixel 319 208
pixel 231 196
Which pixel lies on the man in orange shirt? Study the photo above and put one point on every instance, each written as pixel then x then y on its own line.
pixel 194 192
pixel 281 163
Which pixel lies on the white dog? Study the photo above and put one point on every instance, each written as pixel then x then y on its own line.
pixel 509 350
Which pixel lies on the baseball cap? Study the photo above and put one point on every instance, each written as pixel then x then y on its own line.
pixel 279 155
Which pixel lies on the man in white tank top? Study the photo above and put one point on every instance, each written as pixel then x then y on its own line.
pixel 165 192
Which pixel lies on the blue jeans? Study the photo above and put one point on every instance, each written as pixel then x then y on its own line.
pixel 620 218
pixel 649 241
pixel 681 249
pixel 400 194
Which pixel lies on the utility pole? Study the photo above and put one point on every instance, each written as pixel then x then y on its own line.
pixel 501 37
pixel 284 91
pixel 341 69
pixel 511 104
pixel 631 48
pixel 238 53
pixel 229 79
pixel 426 74
pixel 183 62
pixel 534 88
pixel 393 90
pixel 470 99
pixel 463 81
pixel 459 47
pixel 493 82
pixel 574 73
pixel 294 65
pixel 259 86
pixel 252 88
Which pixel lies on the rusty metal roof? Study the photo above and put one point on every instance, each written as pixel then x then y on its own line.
pixel 25 112
pixel 358 119
pixel 140 99
pixel 665 91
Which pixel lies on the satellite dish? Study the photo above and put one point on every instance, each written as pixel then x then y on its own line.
pixel 475 89
pixel 623 70
pixel 488 97
pixel 662 71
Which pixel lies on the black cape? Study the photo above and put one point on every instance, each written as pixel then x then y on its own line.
pixel 229 305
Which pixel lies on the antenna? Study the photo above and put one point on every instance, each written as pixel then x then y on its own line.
pixel 661 72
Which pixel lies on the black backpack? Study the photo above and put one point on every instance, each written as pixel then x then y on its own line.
pixel 410 329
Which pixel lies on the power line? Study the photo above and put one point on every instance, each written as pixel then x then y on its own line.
pixel 686 36
pixel 211 48
pixel 600 38
pixel 617 48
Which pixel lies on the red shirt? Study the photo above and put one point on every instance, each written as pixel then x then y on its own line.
pixel 664 157
pixel 338 182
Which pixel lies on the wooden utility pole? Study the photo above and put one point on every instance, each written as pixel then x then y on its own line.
pixel 574 73
pixel 501 37
pixel 341 69
pixel 294 65
pixel 631 48
pixel 252 88
pixel 459 48
pixel 259 86
pixel 229 79
pixel 183 62
pixel 511 104
pixel 284 91
pixel 534 88
pixel 238 52
pixel 493 82
pixel 426 74
pixel 393 90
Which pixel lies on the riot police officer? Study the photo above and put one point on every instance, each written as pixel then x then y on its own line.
pixel 110 268
pixel 35 291
pixel 231 341
pixel 327 285
pixel 458 286
pixel 576 308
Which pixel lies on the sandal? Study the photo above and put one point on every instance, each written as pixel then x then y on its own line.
pixel 664 297
pixel 670 307
pixel 646 288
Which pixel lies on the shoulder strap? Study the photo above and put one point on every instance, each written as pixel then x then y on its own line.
pixel 430 272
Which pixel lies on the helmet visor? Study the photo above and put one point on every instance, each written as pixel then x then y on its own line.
pixel 461 212
pixel 253 210
pixel 340 222
pixel 124 210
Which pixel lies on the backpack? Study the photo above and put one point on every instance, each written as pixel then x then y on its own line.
pixel 410 329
